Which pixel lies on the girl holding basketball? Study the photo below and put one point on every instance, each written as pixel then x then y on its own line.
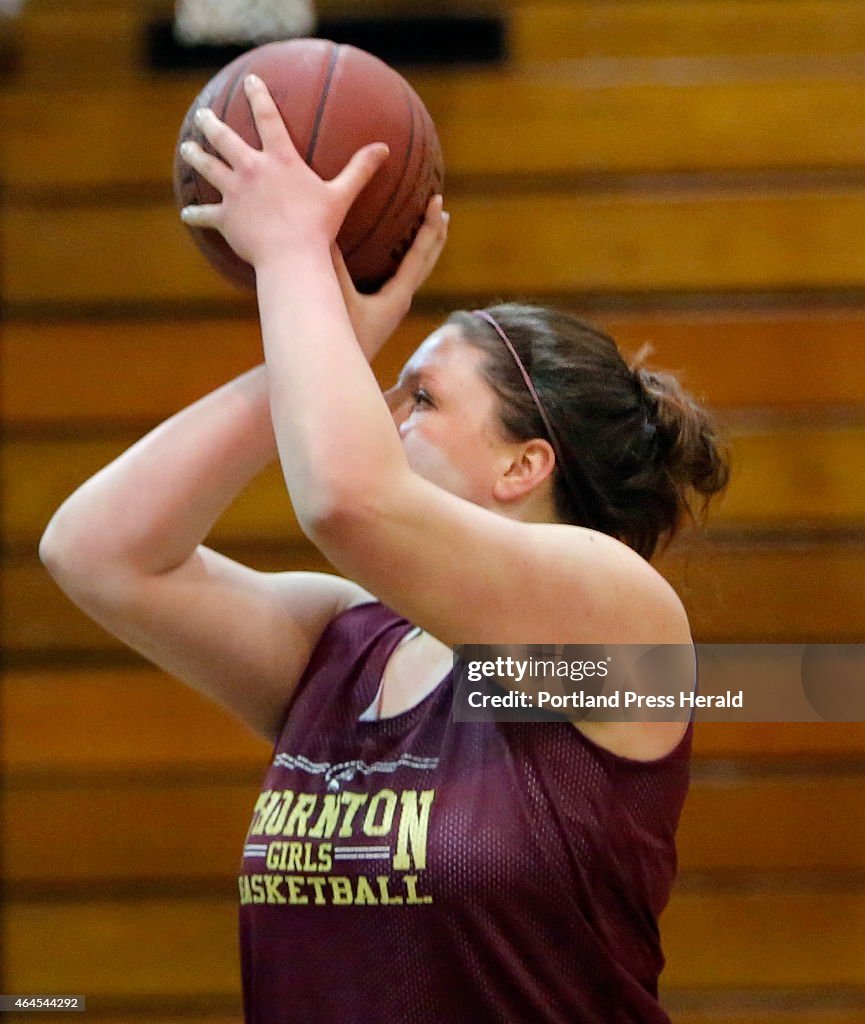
pixel 401 866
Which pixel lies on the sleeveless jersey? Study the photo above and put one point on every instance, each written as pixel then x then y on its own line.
pixel 417 870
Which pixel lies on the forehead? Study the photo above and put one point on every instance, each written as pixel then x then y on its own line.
pixel 445 354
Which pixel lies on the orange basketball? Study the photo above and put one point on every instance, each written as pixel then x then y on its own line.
pixel 334 99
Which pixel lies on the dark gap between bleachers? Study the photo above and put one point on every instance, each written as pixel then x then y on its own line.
pixel 422 41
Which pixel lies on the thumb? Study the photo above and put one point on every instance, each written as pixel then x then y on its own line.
pixel 343 276
pixel 358 172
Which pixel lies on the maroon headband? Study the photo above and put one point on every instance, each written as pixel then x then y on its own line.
pixel 576 495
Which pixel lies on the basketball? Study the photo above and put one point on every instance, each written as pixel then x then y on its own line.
pixel 334 99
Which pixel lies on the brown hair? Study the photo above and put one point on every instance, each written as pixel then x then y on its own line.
pixel 643 454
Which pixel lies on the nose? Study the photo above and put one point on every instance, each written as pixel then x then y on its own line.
pixel 397 408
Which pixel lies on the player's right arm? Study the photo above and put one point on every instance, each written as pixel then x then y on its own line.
pixel 127 549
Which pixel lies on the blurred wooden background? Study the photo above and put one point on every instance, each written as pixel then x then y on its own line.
pixel 690 173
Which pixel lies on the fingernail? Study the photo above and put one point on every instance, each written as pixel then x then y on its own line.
pixel 252 81
pixel 201 114
pixel 446 217
pixel 186 213
pixel 185 148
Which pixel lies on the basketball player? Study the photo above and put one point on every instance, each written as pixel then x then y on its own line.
pixel 511 487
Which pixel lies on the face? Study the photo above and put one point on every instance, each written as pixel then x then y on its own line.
pixel 447 417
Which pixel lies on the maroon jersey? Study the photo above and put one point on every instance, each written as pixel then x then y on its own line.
pixel 417 870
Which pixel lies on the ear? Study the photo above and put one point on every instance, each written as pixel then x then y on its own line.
pixel 532 463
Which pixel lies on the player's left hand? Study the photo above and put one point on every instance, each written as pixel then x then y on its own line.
pixel 375 317
pixel 271 198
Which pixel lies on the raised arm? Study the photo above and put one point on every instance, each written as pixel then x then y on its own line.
pixel 451 565
pixel 126 547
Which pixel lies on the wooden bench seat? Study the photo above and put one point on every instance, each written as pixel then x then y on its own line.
pixel 537 122
pixel 810 1014
pixel 92 718
pixel 710 241
pixel 104 374
pixel 58 39
pixel 544 30
pixel 715 1011
pixel 771 938
pixel 800 591
pixel 187 829
pixel 784 476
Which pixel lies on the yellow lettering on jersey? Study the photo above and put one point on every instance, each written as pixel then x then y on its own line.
pixel 383 802
pixel 308 863
pixel 273 882
pixel 364 894
pixel 245 891
pixel 325 856
pixel 273 824
pixel 328 818
pixel 258 893
pixel 384 893
pixel 410 883
pixel 295 883
pixel 353 803
pixel 299 856
pixel 292 861
pixel 340 888
pixel 413 827
pixel 300 815
pixel 264 805
pixel 318 884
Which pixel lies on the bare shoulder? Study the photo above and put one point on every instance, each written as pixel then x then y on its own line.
pixel 609 592
pixel 485 576
pixel 631 604
pixel 317 593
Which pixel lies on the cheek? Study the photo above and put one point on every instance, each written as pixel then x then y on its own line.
pixel 435 463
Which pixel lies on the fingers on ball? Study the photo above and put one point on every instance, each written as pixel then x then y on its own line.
pixel 225 140
pixel 204 215
pixel 212 169
pixel 265 113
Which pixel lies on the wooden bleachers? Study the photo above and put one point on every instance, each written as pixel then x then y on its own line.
pixel 126 133
pixel 810 476
pixel 544 30
pixel 56 38
pixel 784 363
pixel 688 174
pixel 89 717
pixel 714 240
pixel 741 591
pixel 177 817
pixel 713 940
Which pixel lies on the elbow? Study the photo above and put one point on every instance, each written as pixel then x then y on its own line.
pixel 69 554
pixel 60 553
pixel 339 519
pixel 324 523
pixel 54 549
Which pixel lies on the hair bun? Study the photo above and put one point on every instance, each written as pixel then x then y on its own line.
pixel 688 442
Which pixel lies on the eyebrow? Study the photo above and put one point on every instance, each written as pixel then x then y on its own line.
pixel 406 377
pixel 409 377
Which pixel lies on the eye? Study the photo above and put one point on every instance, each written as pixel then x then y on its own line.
pixel 421 397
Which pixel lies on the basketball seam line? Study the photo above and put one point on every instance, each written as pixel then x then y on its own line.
pixel 319 114
pixel 392 197
pixel 229 95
